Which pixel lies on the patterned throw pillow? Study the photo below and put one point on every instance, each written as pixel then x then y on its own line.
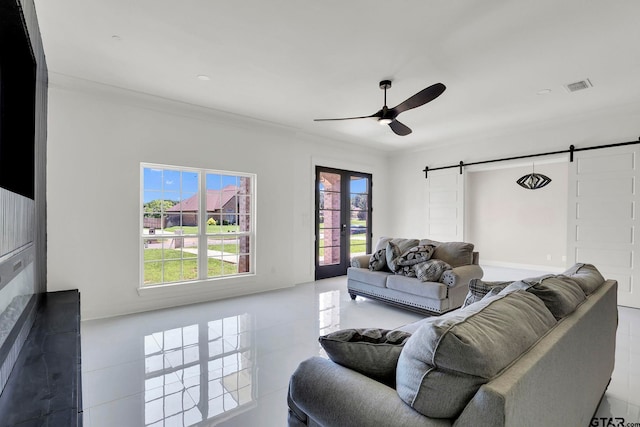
pixel 415 255
pixel 395 249
pixel 378 260
pixel 431 270
pixel 406 270
pixel 479 289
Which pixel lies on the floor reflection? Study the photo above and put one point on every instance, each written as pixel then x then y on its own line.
pixel 200 373
pixel 178 367
pixel 329 311
pixel 328 315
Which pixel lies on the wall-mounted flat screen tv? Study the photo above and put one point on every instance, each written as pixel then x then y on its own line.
pixel 17 102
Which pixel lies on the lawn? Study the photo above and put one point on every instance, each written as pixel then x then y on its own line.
pixel 230 248
pixel 176 269
pixel 357 245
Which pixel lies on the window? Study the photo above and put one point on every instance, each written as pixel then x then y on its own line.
pixel 184 210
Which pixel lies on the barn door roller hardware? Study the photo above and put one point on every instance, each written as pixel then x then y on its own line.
pixel 572 149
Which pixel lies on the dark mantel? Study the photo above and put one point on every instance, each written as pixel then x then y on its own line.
pixel 44 387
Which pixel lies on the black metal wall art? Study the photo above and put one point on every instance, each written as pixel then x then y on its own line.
pixel 533 181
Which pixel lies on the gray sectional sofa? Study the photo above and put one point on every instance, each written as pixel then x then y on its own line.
pixel 425 276
pixel 506 359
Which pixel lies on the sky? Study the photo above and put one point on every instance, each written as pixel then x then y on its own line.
pixel 166 184
pixel 177 185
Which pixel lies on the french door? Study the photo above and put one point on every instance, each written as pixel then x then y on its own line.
pixel 343 219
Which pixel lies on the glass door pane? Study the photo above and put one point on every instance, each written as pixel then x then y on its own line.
pixel 358 215
pixel 330 224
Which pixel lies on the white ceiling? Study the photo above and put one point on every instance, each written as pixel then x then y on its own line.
pixel 290 61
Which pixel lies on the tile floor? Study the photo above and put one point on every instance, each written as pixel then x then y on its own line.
pixel 227 363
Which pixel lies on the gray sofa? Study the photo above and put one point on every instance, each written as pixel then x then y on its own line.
pixel 429 293
pixel 456 369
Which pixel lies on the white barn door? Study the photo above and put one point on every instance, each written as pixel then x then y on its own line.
pixel 603 203
pixel 445 205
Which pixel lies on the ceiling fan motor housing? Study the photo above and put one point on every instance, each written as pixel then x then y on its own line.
pixel 385 84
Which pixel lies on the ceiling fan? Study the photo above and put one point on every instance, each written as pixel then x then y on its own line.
pixel 387 116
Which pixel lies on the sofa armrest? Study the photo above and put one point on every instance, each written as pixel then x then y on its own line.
pixel 460 276
pixel 361 261
pixel 332 395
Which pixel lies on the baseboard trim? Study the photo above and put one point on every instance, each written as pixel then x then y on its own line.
pixel 518 266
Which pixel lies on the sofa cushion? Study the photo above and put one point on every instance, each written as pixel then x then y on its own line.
pixel 478 289
pixel 431 271
pixel 373 278
pixel 449 357
pixel 559 293
pixel 585 275
pixel 378 261
pixel 415 287
pixel 453 253
pixel 372 352
pixel 395 249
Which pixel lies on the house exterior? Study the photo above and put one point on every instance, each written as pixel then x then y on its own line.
pixel 221 206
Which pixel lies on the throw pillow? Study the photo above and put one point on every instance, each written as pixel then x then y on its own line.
pixel 372 352
pixel 382 243
pixel 394 250
pixel 405 270
pixel 478 289
pixel 431 270
pixel 378 260
pixel 415 255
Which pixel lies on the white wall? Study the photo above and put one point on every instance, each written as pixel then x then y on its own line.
pixel 409 215
pixel 501 215
pixel 97 137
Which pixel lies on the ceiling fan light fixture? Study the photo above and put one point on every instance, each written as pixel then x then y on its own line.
pixel 384 121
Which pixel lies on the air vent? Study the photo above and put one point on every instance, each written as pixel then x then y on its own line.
pixel 582 84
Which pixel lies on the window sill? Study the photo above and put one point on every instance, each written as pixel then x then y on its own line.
pixel 219 283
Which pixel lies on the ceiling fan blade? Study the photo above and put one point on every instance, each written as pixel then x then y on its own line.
pixel 399 128
pixel 346 118
pixel 420 98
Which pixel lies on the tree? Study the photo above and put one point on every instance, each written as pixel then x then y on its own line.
pixel 155 208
